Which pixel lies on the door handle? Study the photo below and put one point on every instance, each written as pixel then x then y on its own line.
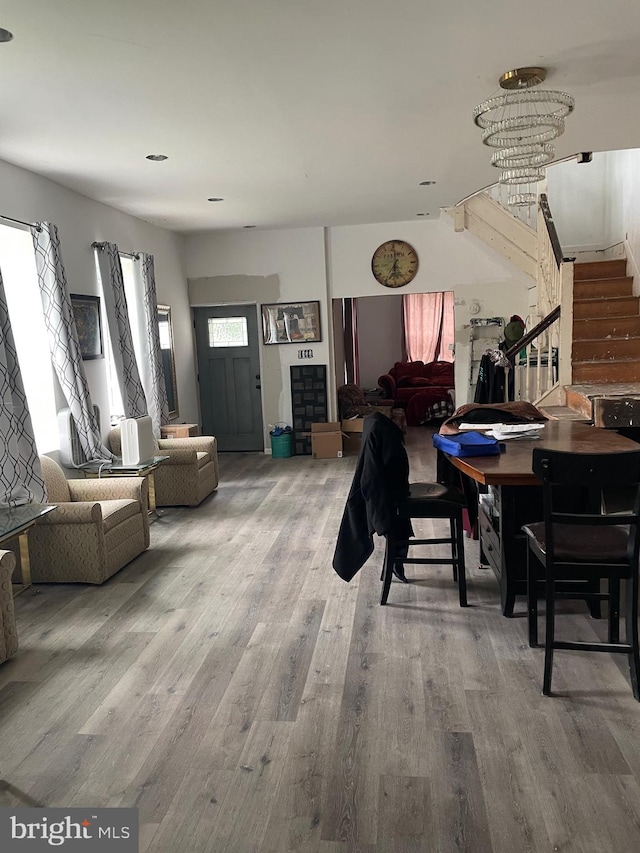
pixel 258 387
pixel 257 376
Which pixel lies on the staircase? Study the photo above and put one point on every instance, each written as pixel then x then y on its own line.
pixel 606 345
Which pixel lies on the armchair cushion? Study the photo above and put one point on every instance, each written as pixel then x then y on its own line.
pixel 92 535
pixel 188 475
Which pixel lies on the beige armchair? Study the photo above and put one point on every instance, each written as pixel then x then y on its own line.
pixel 8 633
pixel 98 527
pixel 188 475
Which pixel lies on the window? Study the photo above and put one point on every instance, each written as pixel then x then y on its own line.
pixel 18 265
pixel 228 332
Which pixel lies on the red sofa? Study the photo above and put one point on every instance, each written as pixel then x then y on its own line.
pixel 424 390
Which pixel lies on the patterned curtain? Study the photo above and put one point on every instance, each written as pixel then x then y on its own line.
pixel 152 373
pixel 133 398
pixel 20 473
pixel 63 339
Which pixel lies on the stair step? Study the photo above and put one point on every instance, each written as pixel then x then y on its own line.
pixel 617 327
pixel 607 372
pixel 602 402
pixel 564 413
pixel 603 287
pixel 598 349
pixel 616 306
pixel 599 269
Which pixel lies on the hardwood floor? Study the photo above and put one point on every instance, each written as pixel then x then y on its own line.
pixel 244 698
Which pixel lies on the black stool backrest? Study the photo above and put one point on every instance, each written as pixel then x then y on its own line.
pixel 575 491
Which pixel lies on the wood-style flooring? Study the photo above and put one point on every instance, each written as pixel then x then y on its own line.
pixel 244 698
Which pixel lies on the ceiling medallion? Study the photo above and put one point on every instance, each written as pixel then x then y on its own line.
pixel 520 122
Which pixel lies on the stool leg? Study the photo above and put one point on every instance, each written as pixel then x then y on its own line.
pixel 387 569
pixel 614 610
pixel 550 598
pixel 631 593
pixel 458 555
pixel 532 599
pixel 454 539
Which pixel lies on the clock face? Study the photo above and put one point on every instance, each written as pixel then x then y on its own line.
pixel 394 263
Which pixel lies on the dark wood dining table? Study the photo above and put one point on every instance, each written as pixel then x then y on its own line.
pixel 513 495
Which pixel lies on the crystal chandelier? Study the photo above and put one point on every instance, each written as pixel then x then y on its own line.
pixel 520 123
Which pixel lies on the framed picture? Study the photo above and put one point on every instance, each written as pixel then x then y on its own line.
pixel 86 312
pixel 291 323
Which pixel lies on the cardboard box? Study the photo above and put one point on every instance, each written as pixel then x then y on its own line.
pixel 326 440
pixel 352 431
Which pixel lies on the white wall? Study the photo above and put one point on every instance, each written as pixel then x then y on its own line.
pixel 585 200
pixel 80 222
pixel 272 266
pixel 379 336
pixel 262 267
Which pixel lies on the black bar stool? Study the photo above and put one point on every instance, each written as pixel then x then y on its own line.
pixel 578 542
pixel 426 500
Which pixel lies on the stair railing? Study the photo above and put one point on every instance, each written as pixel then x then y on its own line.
pixel 535 360
pixel 542 359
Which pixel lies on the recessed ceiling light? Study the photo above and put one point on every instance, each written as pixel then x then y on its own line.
pixel 422 214
pixel 248 226
pixel 5 35
pixel 157 157
pixel 426 183
pixel 215 199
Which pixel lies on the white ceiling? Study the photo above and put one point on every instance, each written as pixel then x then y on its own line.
pixel 296 112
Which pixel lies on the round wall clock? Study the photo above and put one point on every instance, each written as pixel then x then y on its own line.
pixel 394 263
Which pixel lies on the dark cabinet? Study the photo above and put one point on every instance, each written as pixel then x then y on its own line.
pixel 308 403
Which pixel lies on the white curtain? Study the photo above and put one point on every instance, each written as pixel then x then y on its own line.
pixel 133 397
pixel 63 339
pixel 152 371
pixel 20 473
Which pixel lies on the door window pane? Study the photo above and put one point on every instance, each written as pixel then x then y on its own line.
pixel 228 332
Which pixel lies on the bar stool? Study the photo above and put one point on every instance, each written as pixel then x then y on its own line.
pixel 434 501
pixel 578 542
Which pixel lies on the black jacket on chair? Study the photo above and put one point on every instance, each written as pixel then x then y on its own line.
pixel 380 481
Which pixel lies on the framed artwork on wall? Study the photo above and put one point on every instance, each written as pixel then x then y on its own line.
pixel 291 322
pixel 86 312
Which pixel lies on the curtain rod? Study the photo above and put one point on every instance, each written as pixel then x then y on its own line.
pixel 20 222
pixel 133 255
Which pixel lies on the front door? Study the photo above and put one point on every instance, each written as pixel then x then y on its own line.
pixel 229 375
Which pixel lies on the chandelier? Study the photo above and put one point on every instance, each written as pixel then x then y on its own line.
pixel 520 123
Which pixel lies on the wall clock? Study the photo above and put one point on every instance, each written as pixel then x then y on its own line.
pixel 394 263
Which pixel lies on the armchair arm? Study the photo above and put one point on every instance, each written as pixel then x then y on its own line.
pixel 79 512
pixel 199 443
pixel 109 488
pixel 7 565
pixel 388 385
pixel 178 455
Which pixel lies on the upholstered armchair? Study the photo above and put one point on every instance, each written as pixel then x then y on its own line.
pixel 188 475
pixel 352 403
pixel 97 528
pixel 8 633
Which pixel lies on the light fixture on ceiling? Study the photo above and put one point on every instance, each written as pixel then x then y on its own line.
pixel 248 226
pixel 426 183
pixel 520 123
pixel 5 35
pixel 157 158
pixel 422 214
pixel 215 199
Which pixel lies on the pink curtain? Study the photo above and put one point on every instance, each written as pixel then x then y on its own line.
pixel 429 327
